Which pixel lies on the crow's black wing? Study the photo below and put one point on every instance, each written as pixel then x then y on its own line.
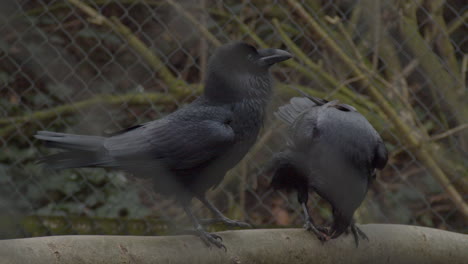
pixel 177 141
pixel 381 155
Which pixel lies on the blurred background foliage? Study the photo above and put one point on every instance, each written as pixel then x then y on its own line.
pixel 95 67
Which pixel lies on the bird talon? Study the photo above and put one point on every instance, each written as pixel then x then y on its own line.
pixel 224 247
pixel 322 236
pixel 361 233
pixel 217 237
pixel 206 241
pixel 211 239
pixel 323 229
pixel 358 233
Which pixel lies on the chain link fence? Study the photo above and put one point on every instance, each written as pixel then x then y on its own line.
pixel 95 67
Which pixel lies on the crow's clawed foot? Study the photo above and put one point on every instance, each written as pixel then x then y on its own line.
pixel 358 233
pixel 211 239
pixel 323 229
pixel 208 238
pixel 225 221
pixel 320 232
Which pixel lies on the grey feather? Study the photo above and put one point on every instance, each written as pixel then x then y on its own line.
pixel 70 141
pixel 290 112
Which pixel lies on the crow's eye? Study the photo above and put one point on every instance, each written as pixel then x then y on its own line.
pixel 250 57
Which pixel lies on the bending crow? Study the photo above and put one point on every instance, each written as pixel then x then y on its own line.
pixel 333 151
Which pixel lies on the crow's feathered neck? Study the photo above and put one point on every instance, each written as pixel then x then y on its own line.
pixel 236 87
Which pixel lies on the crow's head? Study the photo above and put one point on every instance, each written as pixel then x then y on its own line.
pixel 237 69
pixel 341 221
pixel 345 198
pixel 242 57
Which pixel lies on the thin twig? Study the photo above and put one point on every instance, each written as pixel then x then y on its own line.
pixel 448 132
pixel 153 60
pixel 195 22
pixel 131 99
pixel 457 22
pixel 133 41
pixel 342 85
pixel 290 63
pixel 377 33
pixel 408 69
pixel 203 45
pixel 464 67
pixel 316 69
pixel 303 57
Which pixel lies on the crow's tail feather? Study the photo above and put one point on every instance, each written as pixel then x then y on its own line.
pixel 70 141
pixel 82 151
pixel 290 112
pixel 71 159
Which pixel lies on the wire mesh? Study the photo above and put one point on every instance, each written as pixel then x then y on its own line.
pixel 94 67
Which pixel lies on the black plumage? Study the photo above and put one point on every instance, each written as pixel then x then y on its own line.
pixel 190 150
pixel 332 150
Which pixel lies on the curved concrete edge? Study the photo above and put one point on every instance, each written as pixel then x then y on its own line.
pixel 387 244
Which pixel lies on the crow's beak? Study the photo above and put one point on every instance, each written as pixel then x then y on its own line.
pixel 269 57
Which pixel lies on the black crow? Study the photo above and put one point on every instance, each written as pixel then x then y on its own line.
pixel 190 150
pixel 333 151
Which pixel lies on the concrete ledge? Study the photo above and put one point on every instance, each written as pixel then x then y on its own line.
pixel 388 244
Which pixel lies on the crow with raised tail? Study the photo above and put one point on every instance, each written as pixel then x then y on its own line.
pixel 190 150
pixel 332 150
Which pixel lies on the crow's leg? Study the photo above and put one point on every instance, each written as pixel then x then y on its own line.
pixel 320 232
pixel 207 238
pixel 357 233
pixel 219 217
pixel 302 198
